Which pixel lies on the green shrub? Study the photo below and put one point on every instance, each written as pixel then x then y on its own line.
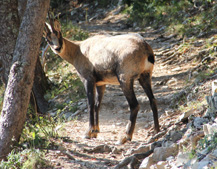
pixel 181 17
pixel 29 158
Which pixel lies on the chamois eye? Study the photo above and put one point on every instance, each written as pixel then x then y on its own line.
pixel 56 33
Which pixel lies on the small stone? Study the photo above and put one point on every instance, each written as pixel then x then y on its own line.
pixel 67 115
pixel 138 29
pixel 161 153
pixel 170 158
pixel 80 103
pixel 176 69
pixel 168 112
pixel 161 164
pixel 140 149
pixel 210 129
pixel 146 163
pixel 175 136
pixel 199 121
pixel 214 88
pixel 116 151
pixel 185 115
pixel 121 111
pixel 201 165
pixel 167 144
pixel 182 158
pixel 52 114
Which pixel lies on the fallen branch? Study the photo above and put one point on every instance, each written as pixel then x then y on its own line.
pixel 76 113
pixel 99 149
pixel 66 152
pixel 157 136
pixel 134 160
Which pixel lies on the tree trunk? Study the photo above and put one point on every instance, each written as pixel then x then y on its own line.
pixel 39 89
pixel 21 76
pixel 40 84
pixel 9 28
pixel 9 32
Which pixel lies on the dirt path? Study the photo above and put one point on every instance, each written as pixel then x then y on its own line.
pixel 102 152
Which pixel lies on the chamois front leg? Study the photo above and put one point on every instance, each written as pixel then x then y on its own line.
pixel 90 87
pixel 99 95
pixel 127 87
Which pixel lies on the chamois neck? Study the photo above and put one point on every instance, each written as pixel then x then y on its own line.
pixel 69 50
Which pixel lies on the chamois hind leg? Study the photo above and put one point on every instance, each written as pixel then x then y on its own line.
pixel 127 88
pixel 145 82
pixel 99 95
pixel 90 88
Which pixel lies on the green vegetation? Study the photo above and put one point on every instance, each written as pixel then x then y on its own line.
pixel 29 158
pixel 183 17
pixel 205 145
pixel 73 32
pixel 42 132
pixel 209 142
pixel 66 84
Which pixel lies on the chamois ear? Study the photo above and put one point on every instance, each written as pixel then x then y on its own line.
pixel 57 25
pixel 46 30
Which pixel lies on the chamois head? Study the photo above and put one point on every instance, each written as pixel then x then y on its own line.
pixel 53 36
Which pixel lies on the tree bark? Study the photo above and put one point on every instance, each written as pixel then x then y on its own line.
pixel 21 76
pixel 40 84
pixel 39 89
pixel 12 13
pixel 9 28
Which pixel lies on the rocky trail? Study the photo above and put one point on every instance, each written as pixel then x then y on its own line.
pixel 174 72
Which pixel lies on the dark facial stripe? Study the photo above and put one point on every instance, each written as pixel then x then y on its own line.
pixel 60 42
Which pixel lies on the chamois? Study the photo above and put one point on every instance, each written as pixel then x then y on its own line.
pixel 105 59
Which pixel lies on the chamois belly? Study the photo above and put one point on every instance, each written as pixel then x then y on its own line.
pixel 112 80
pixel 106 77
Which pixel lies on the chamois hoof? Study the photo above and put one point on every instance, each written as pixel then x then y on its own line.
pixel 123 140
pixel 97 130
pixel 90 134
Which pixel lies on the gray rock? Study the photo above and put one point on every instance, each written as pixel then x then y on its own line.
pixel 210 129
pixel 167 144
pixel 175 136
pixel 169 112
pixel 115 150
pixel 182 159
pixel 201 165
pixel 214 153
pixel 162 153
pixel 214 88
pixel 52 113
pixel 140 149
pixel 146 163
pixel 142 99
pixel 198 122
pixel 82 106
pixel 124 104
pixel 67 115
pixel 185 115
pixel 212 102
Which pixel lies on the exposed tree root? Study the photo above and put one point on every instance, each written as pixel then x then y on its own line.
pixel 134 160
